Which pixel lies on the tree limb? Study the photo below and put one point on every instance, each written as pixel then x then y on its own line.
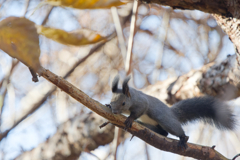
pixel 158 141
pixel 217 6
pixel 42 100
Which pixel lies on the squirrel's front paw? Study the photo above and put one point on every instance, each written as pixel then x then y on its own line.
pixel 128 123
pixel 108 105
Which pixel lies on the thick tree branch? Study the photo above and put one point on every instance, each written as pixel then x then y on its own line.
pixel 231 26
pixel 217 6
pixel 186 86
pixel 158 141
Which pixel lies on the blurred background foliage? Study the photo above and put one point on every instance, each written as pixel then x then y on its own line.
pixel 167 43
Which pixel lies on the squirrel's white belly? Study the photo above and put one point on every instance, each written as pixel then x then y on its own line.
pixel 144 118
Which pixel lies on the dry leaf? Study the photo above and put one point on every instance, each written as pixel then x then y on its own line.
pixel 85 4
pixel 77 38
pixel 19 39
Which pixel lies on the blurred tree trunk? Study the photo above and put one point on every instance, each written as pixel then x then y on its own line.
pixel 218 80
pixel 81 133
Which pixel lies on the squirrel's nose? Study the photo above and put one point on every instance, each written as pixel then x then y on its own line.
pixel 115 112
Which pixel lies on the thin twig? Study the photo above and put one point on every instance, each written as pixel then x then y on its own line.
pixel 26 8
pixel 130 41
pixel 238 155
pixel 14 64
pixel 104 124
pixel 47 16
pixel 93 155
pixel 131 137
pixel 162 36
pixel 2 3
pixel 6 79
pixel 2 100
pixel 118 140
pixel 119 31
pixel 115 142
pixel 147 154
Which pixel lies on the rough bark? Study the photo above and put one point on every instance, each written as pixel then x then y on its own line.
pixel 228 8
pixel 231 26
pixel 217 6
pixel 81 133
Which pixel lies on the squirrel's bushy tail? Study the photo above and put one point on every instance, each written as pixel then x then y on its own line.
pixel 207 109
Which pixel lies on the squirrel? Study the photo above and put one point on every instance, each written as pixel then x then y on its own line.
pixel 162 119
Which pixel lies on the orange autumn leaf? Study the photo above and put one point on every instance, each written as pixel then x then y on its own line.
pixel 76 38
pixel 86 4
pixel 19 39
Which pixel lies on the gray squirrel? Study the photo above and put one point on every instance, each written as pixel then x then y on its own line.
pixel 157 116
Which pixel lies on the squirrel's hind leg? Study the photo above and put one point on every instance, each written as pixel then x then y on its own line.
pixel 183 142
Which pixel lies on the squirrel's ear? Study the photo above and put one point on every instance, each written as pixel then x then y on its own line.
pixel 115 84
pixel 125 87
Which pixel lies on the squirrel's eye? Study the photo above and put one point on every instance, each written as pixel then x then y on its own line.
pixel 123 103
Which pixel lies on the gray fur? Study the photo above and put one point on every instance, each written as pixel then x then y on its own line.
pixel 125 87
pixel 115 84
pixel 208 109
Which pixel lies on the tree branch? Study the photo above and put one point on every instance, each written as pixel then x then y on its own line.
pixel 217 6
pixel 158 141
pixel 42 100
pixel 231 27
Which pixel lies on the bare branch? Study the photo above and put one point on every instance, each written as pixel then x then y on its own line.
pixel 26 8
pixel 158 141
pixel 7 79
pixel 47 16
pixel 41 101
pixel 130 41
pixel 119 31
pixel 162 38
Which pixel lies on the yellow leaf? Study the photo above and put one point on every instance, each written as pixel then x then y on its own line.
pixel 77 38
pixel 85 4
pixel 19 39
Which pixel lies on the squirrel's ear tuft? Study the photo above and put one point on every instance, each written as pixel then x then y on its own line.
pixel 115 83
pixel 125 87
